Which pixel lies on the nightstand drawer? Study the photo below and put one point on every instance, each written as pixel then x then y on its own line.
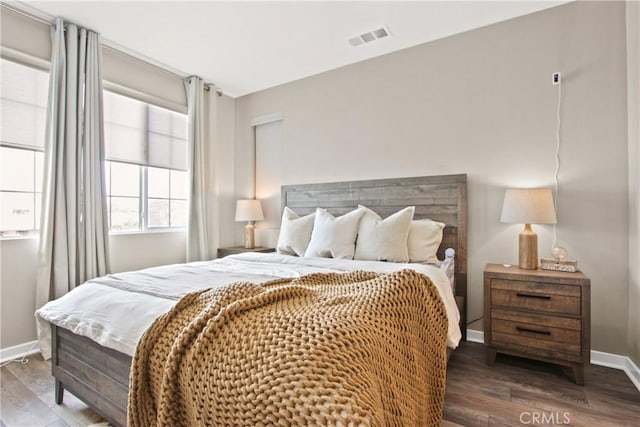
pixel 540 339
pixel 550 298
pixel 514 323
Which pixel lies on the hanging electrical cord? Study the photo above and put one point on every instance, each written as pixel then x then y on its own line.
pixel 555 175
pixel 475 320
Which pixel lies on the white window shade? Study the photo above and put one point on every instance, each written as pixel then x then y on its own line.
pixel 23 102
pixel 136 132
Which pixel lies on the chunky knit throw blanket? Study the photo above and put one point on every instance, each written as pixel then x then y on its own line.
pixel 324 349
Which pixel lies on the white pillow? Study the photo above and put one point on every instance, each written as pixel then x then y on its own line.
pixel 384 240
pixel 424 240
pixel 295 233
pixel 334 237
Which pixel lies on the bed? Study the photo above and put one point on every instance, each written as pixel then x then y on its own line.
pixel 99 374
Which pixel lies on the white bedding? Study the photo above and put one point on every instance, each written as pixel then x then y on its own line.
pixel 115 310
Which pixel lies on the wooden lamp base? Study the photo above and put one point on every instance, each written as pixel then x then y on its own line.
pixel 528 249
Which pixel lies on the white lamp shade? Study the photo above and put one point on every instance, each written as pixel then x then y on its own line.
pixel 528 206
pixel 249 210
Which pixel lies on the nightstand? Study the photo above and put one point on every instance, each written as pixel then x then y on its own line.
pixel 222 252
pixel 538 314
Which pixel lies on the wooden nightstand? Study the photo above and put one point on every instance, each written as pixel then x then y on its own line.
pixel 539 314
pixel 222 252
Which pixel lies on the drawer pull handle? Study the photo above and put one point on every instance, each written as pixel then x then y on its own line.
pixel 535 331
pixel 528 295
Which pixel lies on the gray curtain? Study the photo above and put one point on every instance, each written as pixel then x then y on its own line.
pixel 73 227
pixel 197 241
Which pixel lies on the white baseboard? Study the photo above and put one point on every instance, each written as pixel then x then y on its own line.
pixel 17 351
pixel 475 336
pixel 633 372
pixel 617 361
pixel 600 358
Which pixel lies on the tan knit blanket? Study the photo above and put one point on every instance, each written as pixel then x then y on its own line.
pixel 325 349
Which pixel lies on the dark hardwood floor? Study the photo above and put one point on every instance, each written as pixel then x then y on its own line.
pixel 512 392
pixel 519 391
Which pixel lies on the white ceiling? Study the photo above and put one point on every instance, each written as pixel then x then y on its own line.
pixel 245 47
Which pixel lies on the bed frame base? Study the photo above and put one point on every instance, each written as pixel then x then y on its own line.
pixel 97 375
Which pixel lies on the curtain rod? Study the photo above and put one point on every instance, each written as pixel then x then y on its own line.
pixel 34 14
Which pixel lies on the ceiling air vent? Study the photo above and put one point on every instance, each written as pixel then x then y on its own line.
pixel 369 37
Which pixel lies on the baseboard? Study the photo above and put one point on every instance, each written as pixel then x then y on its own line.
pixel 617 361
pixel 633 372
pixel 600 358
pixel 17 351
pixel 475 336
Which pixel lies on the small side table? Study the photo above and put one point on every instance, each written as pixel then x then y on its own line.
pixel 539 314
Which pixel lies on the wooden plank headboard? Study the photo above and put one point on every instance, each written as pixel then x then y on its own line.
pixel 440 198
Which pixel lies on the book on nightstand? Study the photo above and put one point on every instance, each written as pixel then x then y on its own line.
pixel 568 266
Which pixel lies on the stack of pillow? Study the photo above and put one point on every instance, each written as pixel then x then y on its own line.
pixel 362 235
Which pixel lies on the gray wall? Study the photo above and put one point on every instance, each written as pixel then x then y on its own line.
pixel 482 103
pixel 18 262
pixel 633 101
pixel 221 183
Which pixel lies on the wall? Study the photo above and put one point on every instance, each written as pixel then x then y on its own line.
pixel 221 175
pixel 482 103
pixel 142 250
pixel 633 101
pixel 18 262
pixel 268 181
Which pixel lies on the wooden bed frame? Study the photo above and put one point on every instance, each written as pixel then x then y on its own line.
pixel 100 376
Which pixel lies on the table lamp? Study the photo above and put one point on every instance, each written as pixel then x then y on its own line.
pixel 528 206
pixel 249 210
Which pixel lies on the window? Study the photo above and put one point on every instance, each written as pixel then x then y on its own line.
pixel 23 102
pixel 146 150
pixel 166 197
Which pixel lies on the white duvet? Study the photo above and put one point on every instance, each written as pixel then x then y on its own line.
pixel 115 310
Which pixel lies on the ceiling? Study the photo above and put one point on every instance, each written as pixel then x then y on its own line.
pixel 245 47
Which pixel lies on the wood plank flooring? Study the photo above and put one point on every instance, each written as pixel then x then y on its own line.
pixel 519 391
pixel 27 399
pixel 512 392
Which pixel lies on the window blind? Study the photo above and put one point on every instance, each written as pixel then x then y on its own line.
pixel 23 102
pixel 144 134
